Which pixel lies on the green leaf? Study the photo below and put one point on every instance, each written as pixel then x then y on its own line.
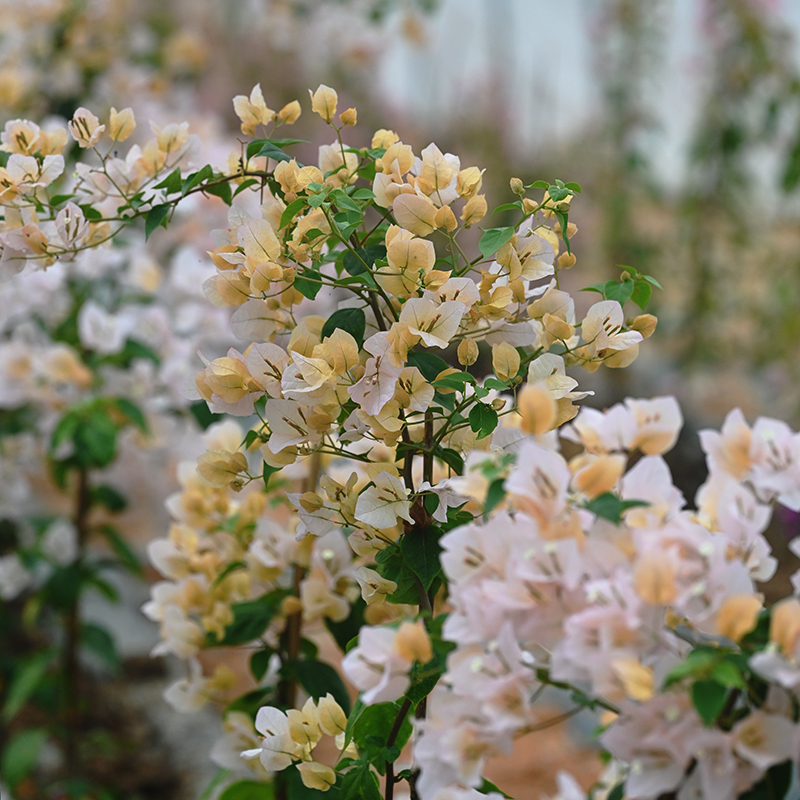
pixel 91 213
pixel 156 216
pixel 618 792
pixel 728 674
pixel 574 187
pixel 538 185
pixel 621 292
pixel 245 185
pixel 352 320
pixel 196 178
pixel 371 731
pixel 250 620
pixel 249 790
pixel 421 551
pixel 25 681
pixel 221 190
pixel 493 239
pixel 557 193
pixel 455 380
pixel 496 383
pixel 294 208
pixel 203 414
pixel 319 678
pixel 268 473
pixel 101 643
pixel 775 784
pixel 495 495
pixel 651 279
pixel 58 199
pixel 259 662
pixel 429 364
pixel 709 698
pixel 516 206
pixel 363 194
pixel 271 150
pixel 172 183
pixel 610 507
pixel 345 202
pixel 641 293
pixel 132 412
pixel 250 702
pixel 308 283
pixel 487 787
pixel 122 549
pixel 255 146
pixel 65 429
pixel 482 419
pixel 21 755
pixel 95 439
pixel 451 458
pixel 600 288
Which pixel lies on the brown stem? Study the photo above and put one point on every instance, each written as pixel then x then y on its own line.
pixel 72 624
pixel 427 456
pixel 390 740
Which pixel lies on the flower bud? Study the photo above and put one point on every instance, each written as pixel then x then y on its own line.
pixel 467 352
pixel 505 361
pixel 290 113
pixel 323 102
pixel 332 718
pixel 566 260
pixel 517 186
pixel 121 124
pixel 644 324
pixel 348 117
pixel 291 605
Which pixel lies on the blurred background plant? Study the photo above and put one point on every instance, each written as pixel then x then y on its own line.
pixel 680 118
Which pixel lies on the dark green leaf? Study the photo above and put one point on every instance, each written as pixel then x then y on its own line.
pixel 156 216
pixel 575 187
pixel 91 213
pixel 495 495
pixel 493 239
pixel 271 150
pixel 451 458
pixel 250 620
pixel 294 208
pixel 516 206
pixel 617 793
pixel 100 642
pixel 308 283
pixel 363 194
pixel 268 473
pixel 728 674
pixel 429 364
pixel 345 202
pixel 58 199
pixel 196 178
pixel 95 439
pixel 621 292
pixel 249 790
pixel 482 419
pixel 371 731
pixel 319 678
pixel 259 662
pixel 454 380
pixel 557 193
pixel 172 183
pixel 245 185
pixel 775 784
pixel 352 320
pixel 600 288
pixel 26 679
pixel 421 551
pixel 610 507
pixel 641 293
pixel 221 190
pixel 65 429
pixel 487 787
pixel 496 383
pixel 122 549
pixel 709 698
pixel 203 414
pixel 21 755
pixel 132 412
